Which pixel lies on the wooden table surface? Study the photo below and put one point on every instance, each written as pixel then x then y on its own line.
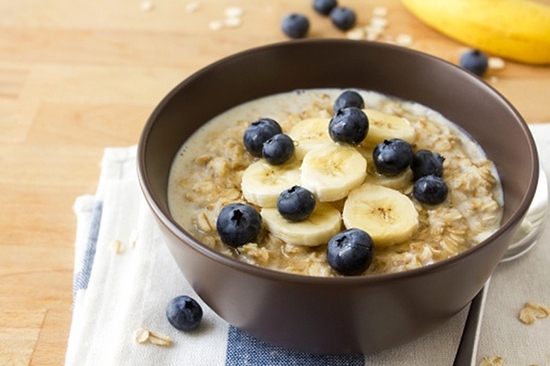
pixel 77 76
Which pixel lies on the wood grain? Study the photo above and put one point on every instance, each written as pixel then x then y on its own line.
pixel 77 76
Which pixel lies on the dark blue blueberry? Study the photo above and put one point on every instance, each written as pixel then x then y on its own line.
pixel 350 252
pixel 474 61
pixel 184 313
pixel 259 132
pixel 426 162
pixel 295 25
pixel 343 18
pixel 392 156
pixel 238 224
pixel 324 7
pixel 349 126
pixel 349 98
pixel 431 190
pixel 296 203
pixel 278 149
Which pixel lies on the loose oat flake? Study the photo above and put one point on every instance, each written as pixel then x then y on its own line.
pixel 192 6
pixel 492 361
pixel 143 335
pixel 533 311
pixel 117 246
pixel 380 11
pixel 215 25
pixel 146 5
pixel 496 63
pixel 133 238
pixel 233 11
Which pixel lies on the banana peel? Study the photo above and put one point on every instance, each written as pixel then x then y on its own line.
pixel 517 30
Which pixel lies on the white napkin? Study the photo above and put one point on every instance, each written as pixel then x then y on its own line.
pixel 117 293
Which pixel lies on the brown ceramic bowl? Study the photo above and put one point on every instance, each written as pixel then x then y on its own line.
pixel 338 315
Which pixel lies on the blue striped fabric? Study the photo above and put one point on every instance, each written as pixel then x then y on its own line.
pixel 81 279
pixel 242 349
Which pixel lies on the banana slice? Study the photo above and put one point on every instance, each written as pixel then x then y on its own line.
pixel 366 152
pixel 402 182
pixel 331 171
pixel 383 126
pixel 386 214
pixel 309 134
pixel 262 182
pixel 324 222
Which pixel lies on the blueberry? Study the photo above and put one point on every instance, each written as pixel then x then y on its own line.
pixel 295 25
pixel 392 156
pixel 348 98
pixel 430 189
pixel 296 203
pixel 278 149
pixel 349 125
pixel 259 132
pixel 350 252
pixel 184 313
pixel 324 7
pixel 426 162
pixel 238 224
pixel 343 18
pixel 474 61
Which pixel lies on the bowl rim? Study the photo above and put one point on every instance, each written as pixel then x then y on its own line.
pixel 182 234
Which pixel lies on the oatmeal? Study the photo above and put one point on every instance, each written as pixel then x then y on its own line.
pixel 214 169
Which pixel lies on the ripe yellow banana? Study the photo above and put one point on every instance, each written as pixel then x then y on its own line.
pixel 518 30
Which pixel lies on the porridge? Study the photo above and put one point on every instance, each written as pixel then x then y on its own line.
pixel 351 182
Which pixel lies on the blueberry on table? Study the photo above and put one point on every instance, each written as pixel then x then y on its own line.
pixel 278 149
pixel 349 126
pixel 343 18
pixel 324 7
pixel 426 162
pixel 350 252
pixel 392 156
pixel 349 98
pixel 184 313
pixel 474 61
pixel 295 25
pixel 238 224
pixel 431 190
pixel 259 132
pixel 296 203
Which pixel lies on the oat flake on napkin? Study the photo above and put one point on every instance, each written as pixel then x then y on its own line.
pixel 124 277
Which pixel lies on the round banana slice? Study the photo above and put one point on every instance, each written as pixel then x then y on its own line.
pixel 402 182
pixel 262 182
pixel 332 170
pixel 383 126
pixel 324 222
pixel 308 134
pixel 387 215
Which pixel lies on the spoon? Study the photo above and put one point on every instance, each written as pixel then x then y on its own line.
pixel 525 238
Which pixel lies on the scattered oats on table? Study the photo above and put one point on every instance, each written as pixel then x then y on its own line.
pixel 532 311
